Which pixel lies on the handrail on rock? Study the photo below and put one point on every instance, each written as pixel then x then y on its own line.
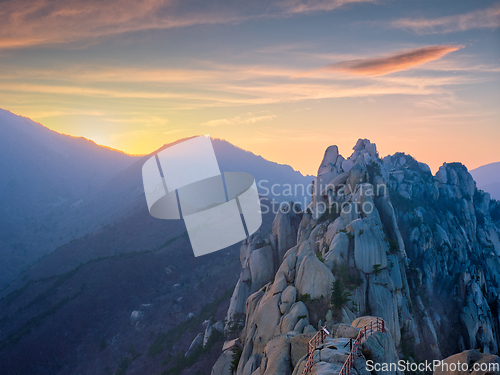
pixel 319 338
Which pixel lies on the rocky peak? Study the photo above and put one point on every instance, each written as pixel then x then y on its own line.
pixel 335 170
pixel 380 238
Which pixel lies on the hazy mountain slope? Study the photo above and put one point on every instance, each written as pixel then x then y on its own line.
pixel 55 188
pixel 45 177
pixel 487 178
pixel 123 196
pixel 268 173
pixel 80 320
pixel 124 192
pixel 70 312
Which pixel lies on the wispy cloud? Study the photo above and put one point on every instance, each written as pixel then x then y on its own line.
pixel 488 18
pixel 35 22
pixel 213 84
pixel 201 73
pixel 246 119
pixel 396 62
pixel 232 92
pixel 309 6
pixel 38 22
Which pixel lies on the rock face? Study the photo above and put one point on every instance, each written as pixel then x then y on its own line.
pixel 223 364
pixel 198 340
pixel 314 278
pixel 380 238
pixel 260 259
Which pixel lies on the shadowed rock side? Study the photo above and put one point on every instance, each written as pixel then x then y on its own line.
pixel 381 237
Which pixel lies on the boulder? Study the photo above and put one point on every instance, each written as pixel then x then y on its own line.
pixel 364 321
pixel 261 267
pixel 324 368
pixel 277 353
pixel 288 297
pixel 267 318
pixel 347 165
pixel 309 329
pixel 231 344
pixel 238 302
pixel 336 183
pixel 219 326
pixel 357 175
pixel 251 307
pixel 329 316
pixel 198 340
pixel 288 264
pixel 209 330
pixel 347 315
pixel 329 160
pixel 370 249
pixel 301 324
pixel 223 364
pixel 346 331
pixel 279 283
pixel 338 251
pixel 299 346
pixel 299 368
pixel 289 321
pixel 284 232
pixel 333 356
pixel 252 365
pixel 379 347
pixel 314 278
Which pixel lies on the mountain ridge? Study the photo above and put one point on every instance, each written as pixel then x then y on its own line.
pixel 57 187
pixel 487 178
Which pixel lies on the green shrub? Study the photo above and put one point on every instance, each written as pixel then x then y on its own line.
pixel 350 235
pixel 181 362
pixel 164 341
pixel 339 295
pixel 376 269
pixel 305 298
pixel 236 359
pixel 350 277
pixel 393 246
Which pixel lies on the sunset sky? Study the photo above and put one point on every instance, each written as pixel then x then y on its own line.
pixel 283 79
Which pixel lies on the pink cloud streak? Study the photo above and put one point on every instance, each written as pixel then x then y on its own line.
pixel 396 62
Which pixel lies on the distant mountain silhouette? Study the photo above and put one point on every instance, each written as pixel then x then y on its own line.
pixel 56 188
pixel 46 179
pixel 487 178
pixel 80 209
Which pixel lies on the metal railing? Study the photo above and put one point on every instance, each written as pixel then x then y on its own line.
pixel 375 325
pixel 318 339
pixel 364 333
